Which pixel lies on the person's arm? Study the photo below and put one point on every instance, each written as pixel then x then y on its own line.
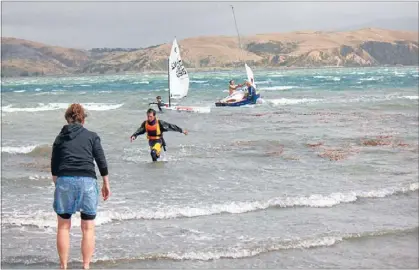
pixel 55 162
pixel 99 156
pixel 141 130
pixel 164 126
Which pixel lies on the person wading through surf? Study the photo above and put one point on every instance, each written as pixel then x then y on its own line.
pixel 159 103
pixel 154 129
pixel 76 189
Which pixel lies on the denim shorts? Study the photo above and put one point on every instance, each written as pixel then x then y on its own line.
pixel 76 194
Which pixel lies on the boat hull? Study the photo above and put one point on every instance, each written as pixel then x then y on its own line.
pixel 242 102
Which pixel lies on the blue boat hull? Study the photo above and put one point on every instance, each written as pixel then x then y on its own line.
pixel 238 103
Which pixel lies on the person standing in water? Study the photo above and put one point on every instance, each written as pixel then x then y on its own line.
pixel 154 129
pixel 76 189
pixel 159 103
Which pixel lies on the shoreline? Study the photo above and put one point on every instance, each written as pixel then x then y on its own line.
pixel 203 70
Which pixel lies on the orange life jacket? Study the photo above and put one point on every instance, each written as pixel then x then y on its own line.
pixel 153 131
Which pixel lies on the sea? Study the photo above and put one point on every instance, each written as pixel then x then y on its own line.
pixel 322 174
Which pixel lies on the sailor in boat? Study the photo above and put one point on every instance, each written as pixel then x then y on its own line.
pixel 154 129
pixel 159 103
pixel 251 91
pixel 232 87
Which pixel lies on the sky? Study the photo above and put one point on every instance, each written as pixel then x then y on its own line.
pixel 86 25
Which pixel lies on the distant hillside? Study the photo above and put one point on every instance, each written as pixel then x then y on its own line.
pixel 365 47
pixel 25 58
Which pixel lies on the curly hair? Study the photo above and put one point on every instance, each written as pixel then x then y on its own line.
pixel 75 113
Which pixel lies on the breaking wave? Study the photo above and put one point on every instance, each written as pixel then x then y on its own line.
pixel 60 106
pixel 288 101
pixel 47 219
pixel 238 251
pixel 278 88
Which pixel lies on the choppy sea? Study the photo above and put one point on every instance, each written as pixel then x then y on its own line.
pixel 322 174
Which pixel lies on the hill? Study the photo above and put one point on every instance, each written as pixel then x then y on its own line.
pixel 364 47
pixel 23 58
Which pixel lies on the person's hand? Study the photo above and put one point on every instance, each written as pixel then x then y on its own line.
pixel 132 138
pixel 185 132
pixel 106 190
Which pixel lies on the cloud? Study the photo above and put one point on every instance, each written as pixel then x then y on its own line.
pixel 140 24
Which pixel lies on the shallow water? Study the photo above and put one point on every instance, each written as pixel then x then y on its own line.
pixel 320 175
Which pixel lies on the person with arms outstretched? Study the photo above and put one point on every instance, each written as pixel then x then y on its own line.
pixel 159 103
pixel 154 129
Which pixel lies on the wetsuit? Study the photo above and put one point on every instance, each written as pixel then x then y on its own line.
pixel 155 131
pixel 252 93
pixel 159 105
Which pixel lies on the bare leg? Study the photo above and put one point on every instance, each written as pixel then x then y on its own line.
pixel 63 240
pixel 88 241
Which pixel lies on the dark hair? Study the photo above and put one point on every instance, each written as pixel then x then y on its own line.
pixel 230 81
pixel 158 97
pixel 151 111
pixel 75 113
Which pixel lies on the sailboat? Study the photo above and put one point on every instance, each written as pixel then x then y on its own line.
pixel 238 98
pixel 178 79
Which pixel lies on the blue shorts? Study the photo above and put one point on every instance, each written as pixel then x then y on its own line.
pixel 76 194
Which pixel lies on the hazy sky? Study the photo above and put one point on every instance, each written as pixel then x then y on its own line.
pixel 141 24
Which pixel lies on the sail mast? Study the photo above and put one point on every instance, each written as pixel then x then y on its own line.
pixel 237 29
pixel 168 77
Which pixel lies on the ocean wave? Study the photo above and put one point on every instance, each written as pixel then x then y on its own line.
pixel 18 149
pixel 30 150
pixel 239 251
pixel 197 81
pixel 47 219
pixel 19 91
pixel 288 101
pixel 278 88
pixel 410 97
pixel 60 106
pixel 269 245
pixel 141 82
pixel 264 82
pixel 372 78
pixel 329 78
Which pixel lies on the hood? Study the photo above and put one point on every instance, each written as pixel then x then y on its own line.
pixel 69 132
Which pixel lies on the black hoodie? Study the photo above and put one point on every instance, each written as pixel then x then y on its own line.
pixel 74 150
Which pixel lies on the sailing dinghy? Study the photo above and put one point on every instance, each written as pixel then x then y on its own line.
pixel 178 78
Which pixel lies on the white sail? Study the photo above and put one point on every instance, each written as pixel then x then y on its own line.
pixel 250 76
pixel 178 76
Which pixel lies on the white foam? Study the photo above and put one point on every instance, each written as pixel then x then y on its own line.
pixel 141 82
pixel 47 219
pixel 59 106
pixel 38 89
pixel 371 78
pixel 19 91
pixel 258 248
pixel 290 101
pixel 197 81
pixel 18 149
pixel 278 88
pixel 330 78
pixel 410 97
